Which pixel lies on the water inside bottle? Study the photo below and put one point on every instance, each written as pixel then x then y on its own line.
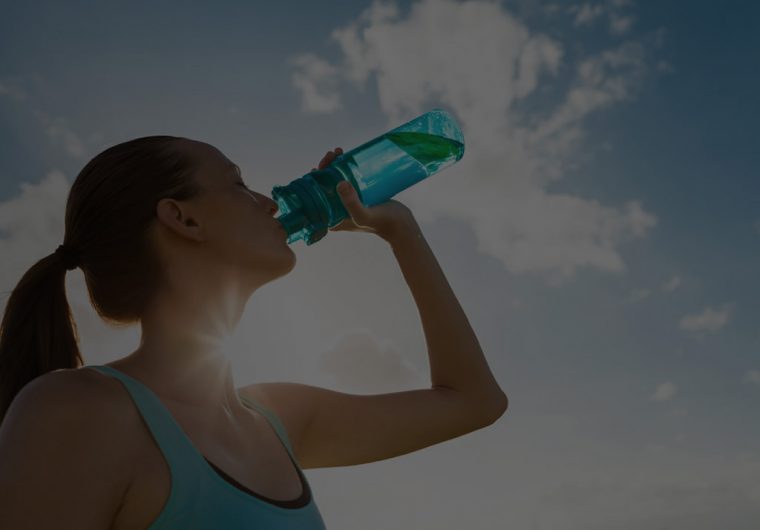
pixel 396 161
pixel 430 150
pixel 378 169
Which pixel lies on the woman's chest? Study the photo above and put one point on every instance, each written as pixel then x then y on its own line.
pixel 256 459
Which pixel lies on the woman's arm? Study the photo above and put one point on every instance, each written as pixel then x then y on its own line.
pixel 456 359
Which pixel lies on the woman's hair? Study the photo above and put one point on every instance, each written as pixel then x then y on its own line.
pixel 110 216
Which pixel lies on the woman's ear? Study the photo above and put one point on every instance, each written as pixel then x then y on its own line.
pixel 177 217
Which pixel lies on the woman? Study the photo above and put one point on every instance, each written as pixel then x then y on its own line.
pixel 168 235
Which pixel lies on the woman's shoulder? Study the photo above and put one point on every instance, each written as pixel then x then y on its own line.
pixel 74 386
pixel 67 387
pixel 79 394
pixel 80 406
pixel 64 432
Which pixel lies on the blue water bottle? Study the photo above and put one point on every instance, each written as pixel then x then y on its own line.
pixel 378 170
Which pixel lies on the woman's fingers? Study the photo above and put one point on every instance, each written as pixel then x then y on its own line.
pixel 326 160
pixel 329 157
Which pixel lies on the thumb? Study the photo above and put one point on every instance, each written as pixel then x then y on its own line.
pixel 350 199
pixel 346 191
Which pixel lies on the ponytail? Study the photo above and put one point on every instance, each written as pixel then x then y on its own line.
pixel 110 212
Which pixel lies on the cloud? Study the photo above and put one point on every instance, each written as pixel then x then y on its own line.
pixel 56 129
pixel 9 88
pixel 752 376
pixel 570 479
pixel 477 60
pixel 664 391
pixel 315 78
pixel 60 134
pixel 32 225
pixel 362 362
pixel 638 295
pixel 672 284
pixel 664 67
pixel 609 77
pixel 710 319
pixel 588 13
pixel 619 24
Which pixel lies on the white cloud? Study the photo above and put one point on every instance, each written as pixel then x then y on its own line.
pixel 620 24
pixel 664 391
pixel 480 62
pixel 664 67
pixel 316 80
pixel 587 13
pixel 56 129
pixel 361 362
pixel 31 225
pixel 72 144
pixel 9 88
pixel 710 319
pixel 606 78
pixel 639 294
pixel 568 479
pixel 752 376
pixel 61 134
pixel 672 284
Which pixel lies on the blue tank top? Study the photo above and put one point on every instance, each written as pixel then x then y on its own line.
pixel 202 496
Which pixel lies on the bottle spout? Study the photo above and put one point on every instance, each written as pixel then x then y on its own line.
pixel 293 222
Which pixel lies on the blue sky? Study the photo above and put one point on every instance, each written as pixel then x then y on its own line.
pixel 602 231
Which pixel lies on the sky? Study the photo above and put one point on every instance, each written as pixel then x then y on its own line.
pixel 601 232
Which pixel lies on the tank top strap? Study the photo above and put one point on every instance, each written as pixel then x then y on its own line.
pixel 274 421
pixel 171 439
pixel 199 497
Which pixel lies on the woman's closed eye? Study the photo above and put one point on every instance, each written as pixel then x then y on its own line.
pixel 253 193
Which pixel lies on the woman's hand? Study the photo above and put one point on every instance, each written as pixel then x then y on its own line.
pixel 384 219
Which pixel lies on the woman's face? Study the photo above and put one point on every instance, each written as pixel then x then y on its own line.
pixel 238 223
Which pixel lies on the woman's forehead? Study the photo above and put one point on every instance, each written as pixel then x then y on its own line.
pixel 213 165
pixel 210 154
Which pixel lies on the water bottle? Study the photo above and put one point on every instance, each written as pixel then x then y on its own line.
pixel 378 170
